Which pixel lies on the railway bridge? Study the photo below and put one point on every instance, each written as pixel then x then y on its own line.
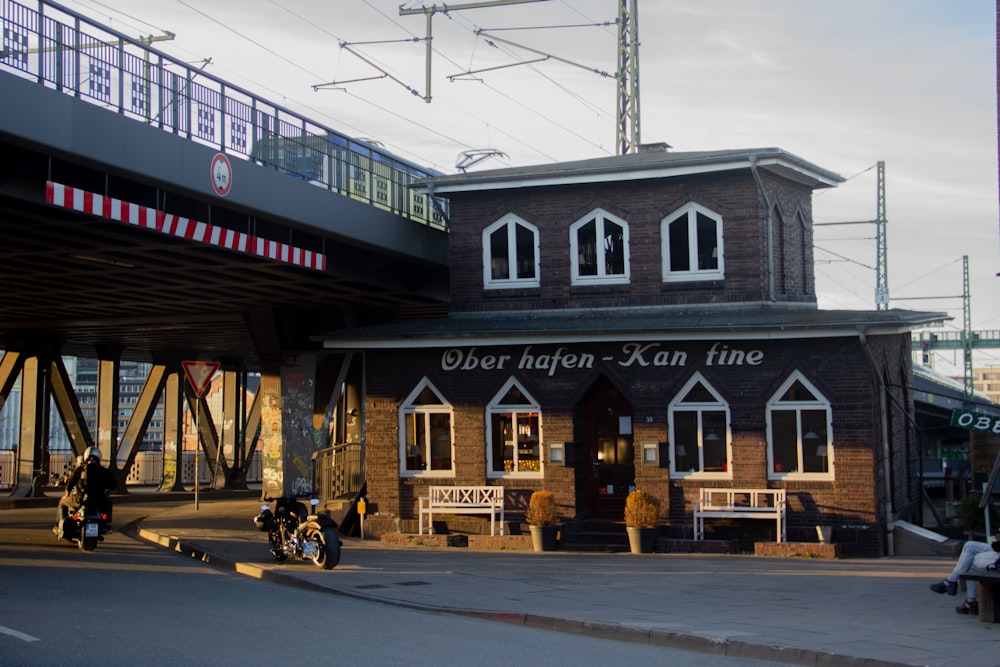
pixel 150 211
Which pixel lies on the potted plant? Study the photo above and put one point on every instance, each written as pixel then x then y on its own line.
pixel 642 515
pixel 543 519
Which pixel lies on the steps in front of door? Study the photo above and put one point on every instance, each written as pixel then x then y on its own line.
pixel 594 535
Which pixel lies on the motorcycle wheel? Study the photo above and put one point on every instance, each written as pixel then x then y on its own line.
pixel 329 548
pixel 88 543
pixel 275 545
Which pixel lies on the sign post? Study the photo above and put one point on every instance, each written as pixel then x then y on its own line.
pixel 199 376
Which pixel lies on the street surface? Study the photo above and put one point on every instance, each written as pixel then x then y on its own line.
pixel 130 602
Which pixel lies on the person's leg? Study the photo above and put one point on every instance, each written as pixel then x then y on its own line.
pixel 963 565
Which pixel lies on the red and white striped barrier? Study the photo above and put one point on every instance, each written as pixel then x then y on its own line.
pixel 175 225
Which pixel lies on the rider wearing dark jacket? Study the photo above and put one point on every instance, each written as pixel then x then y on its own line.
pixel 88 480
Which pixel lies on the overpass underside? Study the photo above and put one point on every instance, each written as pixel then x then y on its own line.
pixel 116 243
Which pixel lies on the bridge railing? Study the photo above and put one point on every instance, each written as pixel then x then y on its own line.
pixel 67 51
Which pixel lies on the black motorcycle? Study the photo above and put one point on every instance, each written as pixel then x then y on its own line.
pixel 292 531
pixel 84 525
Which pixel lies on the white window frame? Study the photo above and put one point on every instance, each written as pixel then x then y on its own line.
pixel 691 211
pixel 496 407
pixel 602 278
pixel 406 408
pixel 511 222
pixel 819 403
pixel 718 405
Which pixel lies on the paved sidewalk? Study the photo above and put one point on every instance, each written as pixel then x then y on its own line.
pixel 867 612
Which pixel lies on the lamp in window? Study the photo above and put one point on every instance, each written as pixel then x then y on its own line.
pixel 681 451
pixel 821 451
pixel 712 437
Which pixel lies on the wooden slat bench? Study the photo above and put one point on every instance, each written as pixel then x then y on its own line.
pixel 987 593
pixel 462 500
pixel 740 504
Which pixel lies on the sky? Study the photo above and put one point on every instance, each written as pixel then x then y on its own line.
pixel 841 84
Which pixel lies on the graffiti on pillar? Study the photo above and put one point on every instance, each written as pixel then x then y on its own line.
pixel 270 436
pixel 298 386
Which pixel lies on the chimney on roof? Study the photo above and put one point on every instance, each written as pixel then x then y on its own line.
pixel 656 147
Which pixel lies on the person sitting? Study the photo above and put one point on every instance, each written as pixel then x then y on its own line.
pixel 89 480
pixel 975 556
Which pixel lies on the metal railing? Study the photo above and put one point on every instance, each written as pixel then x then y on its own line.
pixel 66 51
pixel 338 471
pixel 147 469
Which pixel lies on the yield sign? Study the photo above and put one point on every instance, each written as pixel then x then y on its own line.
pixel 199 374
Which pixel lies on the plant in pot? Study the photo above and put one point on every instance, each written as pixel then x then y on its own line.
pixel 642 515
pixel 543 519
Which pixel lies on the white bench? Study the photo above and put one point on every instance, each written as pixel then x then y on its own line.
pixel 462 500
pixel 740 504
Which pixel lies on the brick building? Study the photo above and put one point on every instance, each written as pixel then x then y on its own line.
pixel 644 321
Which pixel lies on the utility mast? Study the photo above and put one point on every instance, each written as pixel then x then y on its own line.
pixel 881 261
pixel 628 77
pixel 967 326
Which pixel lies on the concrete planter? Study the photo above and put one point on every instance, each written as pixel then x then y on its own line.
pixel 543 538
pixel 641 540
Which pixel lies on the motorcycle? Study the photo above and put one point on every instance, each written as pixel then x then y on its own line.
pixel 292 531
pixel 85 525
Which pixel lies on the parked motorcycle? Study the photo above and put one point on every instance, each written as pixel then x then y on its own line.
pixel 84 525
pixel 293 531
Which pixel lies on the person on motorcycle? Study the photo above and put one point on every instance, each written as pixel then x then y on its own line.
pixel 89 480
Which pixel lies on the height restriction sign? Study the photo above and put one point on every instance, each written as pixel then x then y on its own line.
pixel 199 374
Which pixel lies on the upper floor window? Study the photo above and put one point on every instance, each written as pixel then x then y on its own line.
pixel 692 245
pixel 510 253
pixel 598 246
pixel 426 442
pixel 513 431
pixel 700 442
pixel 799 431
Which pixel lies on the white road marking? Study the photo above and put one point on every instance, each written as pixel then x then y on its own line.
pixel 4 630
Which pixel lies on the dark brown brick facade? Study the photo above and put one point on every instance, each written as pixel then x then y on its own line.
pixel 768 264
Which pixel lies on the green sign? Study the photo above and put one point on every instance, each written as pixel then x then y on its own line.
pixel 975 421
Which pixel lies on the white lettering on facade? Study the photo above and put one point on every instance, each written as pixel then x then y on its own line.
pixel 723 356
pixel 632 355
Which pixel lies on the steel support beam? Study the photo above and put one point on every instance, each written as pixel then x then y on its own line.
pixel 287 433
pixel 108 379
pixel 142 413
pixel 31 455
pixel 68 407
pixel 172 428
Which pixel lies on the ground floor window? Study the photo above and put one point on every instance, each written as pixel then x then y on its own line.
pixel 426 442
pixel 799 429
pixel 699 431
pixel 513 433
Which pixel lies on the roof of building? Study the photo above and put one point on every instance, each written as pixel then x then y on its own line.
pixel 653 163
pixel 731 321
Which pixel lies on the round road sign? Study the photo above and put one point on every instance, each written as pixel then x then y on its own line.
pixel 222 175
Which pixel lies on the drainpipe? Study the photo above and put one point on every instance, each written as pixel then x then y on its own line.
pixel 886 467
pixel 770 228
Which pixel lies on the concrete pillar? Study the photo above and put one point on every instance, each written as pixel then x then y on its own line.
pixel 288 436
pixel 108 378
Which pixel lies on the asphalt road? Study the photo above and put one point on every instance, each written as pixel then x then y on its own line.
pixel 130 602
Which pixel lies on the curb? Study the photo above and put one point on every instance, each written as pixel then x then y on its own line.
pixel 668 639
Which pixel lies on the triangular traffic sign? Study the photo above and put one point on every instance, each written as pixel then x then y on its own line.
pixel 199 374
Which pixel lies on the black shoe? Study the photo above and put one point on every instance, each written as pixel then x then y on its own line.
pixel 968 607
pixel 949 587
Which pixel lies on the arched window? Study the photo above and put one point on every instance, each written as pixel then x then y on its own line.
pixel 513 431
pixel 599 250
pixel 692 245
pixel 799 431
pixel 700 438
pixel 426 442
pixel 510 254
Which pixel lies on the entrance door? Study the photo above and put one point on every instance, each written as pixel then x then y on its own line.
pixel 608 424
